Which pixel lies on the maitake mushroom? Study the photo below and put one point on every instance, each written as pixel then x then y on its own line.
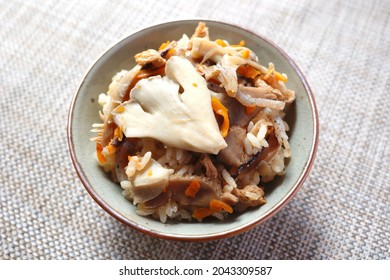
pixel 158 110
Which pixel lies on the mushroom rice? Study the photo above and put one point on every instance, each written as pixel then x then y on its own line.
pixel 194 129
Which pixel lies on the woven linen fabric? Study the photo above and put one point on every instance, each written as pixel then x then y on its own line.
pixel 342 210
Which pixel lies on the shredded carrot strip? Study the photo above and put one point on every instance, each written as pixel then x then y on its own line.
pixel 241 44
pixel 217 205
pixel 202 213
pixel 111 149
pixel 120 109
pixel 192 189
pixel 280 77
pixel 245 54
pixel 220 42
pixel 99 149
pixel 247 71
pixel 142 74
pixel 249 109
pixel 118 133
pixel 222 111
pixel 170 53
pixel 164 45
pixel 272 74
pixel 214 81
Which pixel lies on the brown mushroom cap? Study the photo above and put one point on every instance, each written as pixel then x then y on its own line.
pixel 176 190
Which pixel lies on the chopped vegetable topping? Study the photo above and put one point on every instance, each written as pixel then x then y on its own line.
pixel 249 109
pixel 217 205
pixel 192 189
pixel 245 54
pixel 220 42
pixel 280 77
pixel 247 71
pixel 164 45
pixel 202 213
pixel 111 149
pixel 120 109
pixel 99 150
pixel 222 111
pixel 118 133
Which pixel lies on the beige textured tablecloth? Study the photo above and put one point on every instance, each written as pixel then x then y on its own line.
pixel 342 210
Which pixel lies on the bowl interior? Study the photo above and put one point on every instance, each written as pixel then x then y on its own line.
pixel 301 117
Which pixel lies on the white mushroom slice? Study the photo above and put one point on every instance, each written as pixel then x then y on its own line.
pixel 149 182
pixel 201 46
pixel 266 92
pixel 117 89
pixel 237 60
pixel 206 49
pixel 228 76
pixel 116 92
pixel 247 100
pixel 182 45
pixel 209 71
pixel 157 110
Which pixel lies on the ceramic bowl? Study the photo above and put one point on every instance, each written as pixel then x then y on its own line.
pixel 302 118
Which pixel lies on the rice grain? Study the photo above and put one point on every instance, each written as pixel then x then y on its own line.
pixel 228 179
pixel 144 161
pixel 247 146
pixel 254 141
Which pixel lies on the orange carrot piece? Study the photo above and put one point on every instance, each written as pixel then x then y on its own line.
pixel 214 81
pixel 220 42
pixel 142 74
pixel 99 150
pixel 249 109
pixel 192 189
pixel 119 109
pixel 202 213
pixel 118 133
pixel 170 53
pixel 245 54
pixel 247 71
pixel 164 45
pixel 280 77
pixel 217 205
pixel 111 149
pixel 241 44
pixel 221 110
